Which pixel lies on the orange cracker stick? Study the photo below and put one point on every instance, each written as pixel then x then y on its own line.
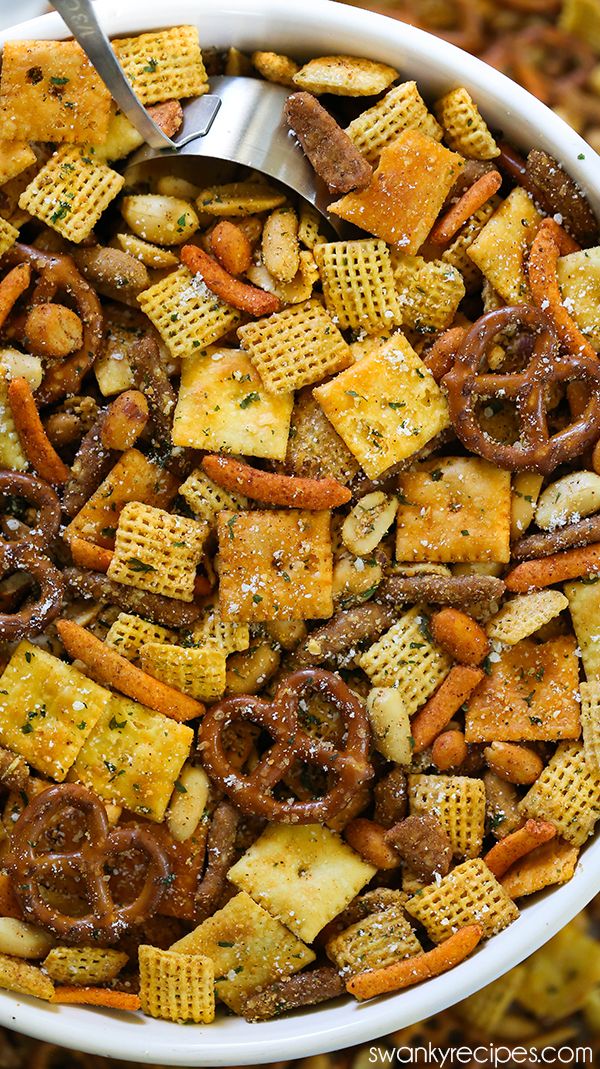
pixel 440 357
pixel 285 490
pixel 109 668
pixel 441 707
pixel 422 967
pixel 13 285
pixel 472 199
pixel 124 421
pixel 96 996
pixel 238 294
pixel 509 850
pixel 87 555
pixel 460 635
pixel 33 438
pixel 550 242
pixel 558 567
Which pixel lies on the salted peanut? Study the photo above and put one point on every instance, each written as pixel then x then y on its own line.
pixel 52 330
pixel 460 635
pixel 125 420
pixel 526 486
pixel 149 254
pixel 515 846
pixel 368 839
pixel 280 248
pixel 575 495
pixel 160 219
pixel 501 805
pixel 514 763
pixel 368 522
pixel 248 672
pixel 170 185
pixel 449 750
pixel 287 633
pixel 188 803
pixel 231 246
pixel 390 724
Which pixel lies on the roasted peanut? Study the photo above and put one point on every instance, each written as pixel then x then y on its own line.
pixel 390 724
pixel 460 635
pixel 368 839
pixel 526 487
pixel 159 219
pixel 449 750
pixel 188 803
pixel 280 248
pixel 248 672
pixel 52 330
pixel 368 522
pixel 568 499
pixel 514 763
pixel 232 248
pixel 287 633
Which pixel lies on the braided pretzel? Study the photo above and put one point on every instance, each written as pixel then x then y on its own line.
pixel 253 792
pixel 58 272
pixel 33 863
pixel 466 384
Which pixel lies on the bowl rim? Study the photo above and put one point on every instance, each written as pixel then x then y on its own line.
pixel 342 1023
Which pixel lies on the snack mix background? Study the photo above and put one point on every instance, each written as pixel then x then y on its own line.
pixel 553 999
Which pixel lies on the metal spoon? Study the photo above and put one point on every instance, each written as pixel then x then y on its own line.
pixel 240 122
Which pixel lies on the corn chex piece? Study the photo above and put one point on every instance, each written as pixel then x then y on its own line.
pixel 579 281
pixel 454 509
pixel 567 793
pixel 553 863
pixel 351 76
pixel 309 233
pixel 71 191
pixel 584 606
pixel 49 91
pixel 84 965
pixel 358 284
pixel 15 157
pixel 47 709
pixel 401 108
pixel 315 449
pixel 529 695
pixel 561 975
pixel 8 236
pixel 129 633
pixel 386 407
pixel 302 874
pixel 133 478
pixel 206 499
pixel 406 658
pixel 249 948
pixel 456 253
pixel 163 65
pixel 590 722
pixel 157 551
pixel 379 939
pixel 525 614
pixel 176 987
pixel 429 291
pixel 470 894
pixel 485 1010
pixel 464 128
pixel 223 406
pixel 238 199
pixel 459 804
pixel 295 347
pixel 133 757
pixel 227 635
pixel 25 979
pixel 186 314
pixel 275 565
pixel 500 249
pixel 405 195
pixel 195 671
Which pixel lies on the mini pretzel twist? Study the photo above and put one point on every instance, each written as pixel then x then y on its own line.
pixel 42 497
pixel 59 273
pixel 254 792
pixel 466 383
pixel 34 864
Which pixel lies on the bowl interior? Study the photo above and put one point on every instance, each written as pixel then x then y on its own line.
pixel 315 27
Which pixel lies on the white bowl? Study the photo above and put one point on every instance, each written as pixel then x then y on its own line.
pixel 314 27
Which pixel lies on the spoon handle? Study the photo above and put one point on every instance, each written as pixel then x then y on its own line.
pixel 80 17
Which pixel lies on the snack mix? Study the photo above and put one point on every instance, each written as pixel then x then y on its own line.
pixel 300 540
